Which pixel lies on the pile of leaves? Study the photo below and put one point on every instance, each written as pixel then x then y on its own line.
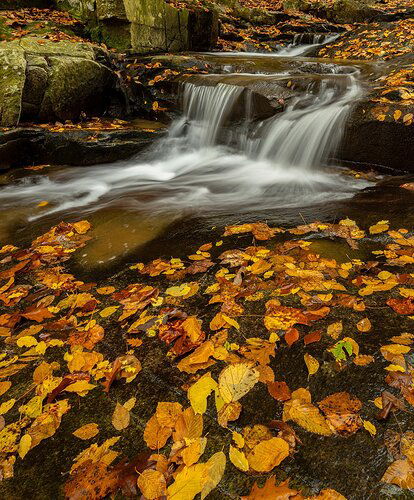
pixel 49 24
pixel 374 41
pixel 226 317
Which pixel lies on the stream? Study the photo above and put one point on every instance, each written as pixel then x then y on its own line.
pixel 209 170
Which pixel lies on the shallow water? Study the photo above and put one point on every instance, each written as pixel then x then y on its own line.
pixel 207 168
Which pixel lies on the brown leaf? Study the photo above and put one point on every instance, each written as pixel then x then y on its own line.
pixel 279 390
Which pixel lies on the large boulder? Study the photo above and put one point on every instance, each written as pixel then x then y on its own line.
pixel 49 81
pixel 146 26
pixel 12 80
pixel 386 144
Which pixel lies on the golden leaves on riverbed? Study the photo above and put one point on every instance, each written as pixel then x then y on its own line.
pixel 268 323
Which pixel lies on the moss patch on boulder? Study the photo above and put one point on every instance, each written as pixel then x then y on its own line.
pixel 12 80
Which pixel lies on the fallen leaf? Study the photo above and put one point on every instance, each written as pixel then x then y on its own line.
pixel 267 455
pixel 237 380
pixel 87 431
pixel 152 484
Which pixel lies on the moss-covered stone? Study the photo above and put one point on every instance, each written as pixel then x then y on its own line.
pixel 53 81
pixel 81 9
pixel 75 85
pixel 109 9
pixel 115 34
pixel 12 79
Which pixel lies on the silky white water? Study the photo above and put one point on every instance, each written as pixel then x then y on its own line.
pixel 210 164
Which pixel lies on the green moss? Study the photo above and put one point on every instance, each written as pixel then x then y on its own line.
pixel 116 34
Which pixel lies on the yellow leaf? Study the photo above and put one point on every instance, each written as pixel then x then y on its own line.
pixel 33 408
pixel 108 311
pixel 231 321
pixel 168 413
pixel 81 387
pixel 178 291
pixel 4 387
pixel 199 392
pixel 28 341
pixel 6 406
pixel 395 368
pixel 238 439
pixel 130 404
pixel 43 204
pixel 152 484
pixel 120 417
pixel 312 364
pixel 364 325
pixel 188 483
pixel 397 114
pixel 401 473
pixel 87 431
pixel 268 454
pixel 307 416
pixel 24 445
pixel 215 465
pixel 335 330
pixel 192 453
pixel 370 427
pixel 82 226
pixel 378 402
pixel 238 459
pixel 406 292
pixel 379 227
pixel 236 380
pixel 408 119
pixel 396 348
pixel 106 290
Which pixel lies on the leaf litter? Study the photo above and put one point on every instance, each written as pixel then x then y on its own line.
pixel 197 311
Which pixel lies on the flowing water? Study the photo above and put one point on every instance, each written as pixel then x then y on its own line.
pixel 209 163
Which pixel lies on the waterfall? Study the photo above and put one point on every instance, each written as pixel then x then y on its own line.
pixel 206 108
pixel 303 43
pixel 215 158
pixel 303 136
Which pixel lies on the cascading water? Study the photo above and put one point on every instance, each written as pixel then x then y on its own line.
pixel 205 164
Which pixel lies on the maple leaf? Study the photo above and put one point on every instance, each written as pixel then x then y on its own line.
pixel 270 490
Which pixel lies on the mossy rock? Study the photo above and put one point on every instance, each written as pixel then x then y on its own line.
pixel 12 80
pixel 81 9
pixel 51 81
pixel 75 85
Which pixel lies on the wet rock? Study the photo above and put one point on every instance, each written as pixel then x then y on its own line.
pixel 33 146
pixel 385 145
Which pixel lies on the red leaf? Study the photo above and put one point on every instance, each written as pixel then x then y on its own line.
pixel 291 336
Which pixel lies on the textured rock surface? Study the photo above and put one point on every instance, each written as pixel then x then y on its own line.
pixel 53 81
pixel 31 146
pixel 12 79
pixel 146 26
